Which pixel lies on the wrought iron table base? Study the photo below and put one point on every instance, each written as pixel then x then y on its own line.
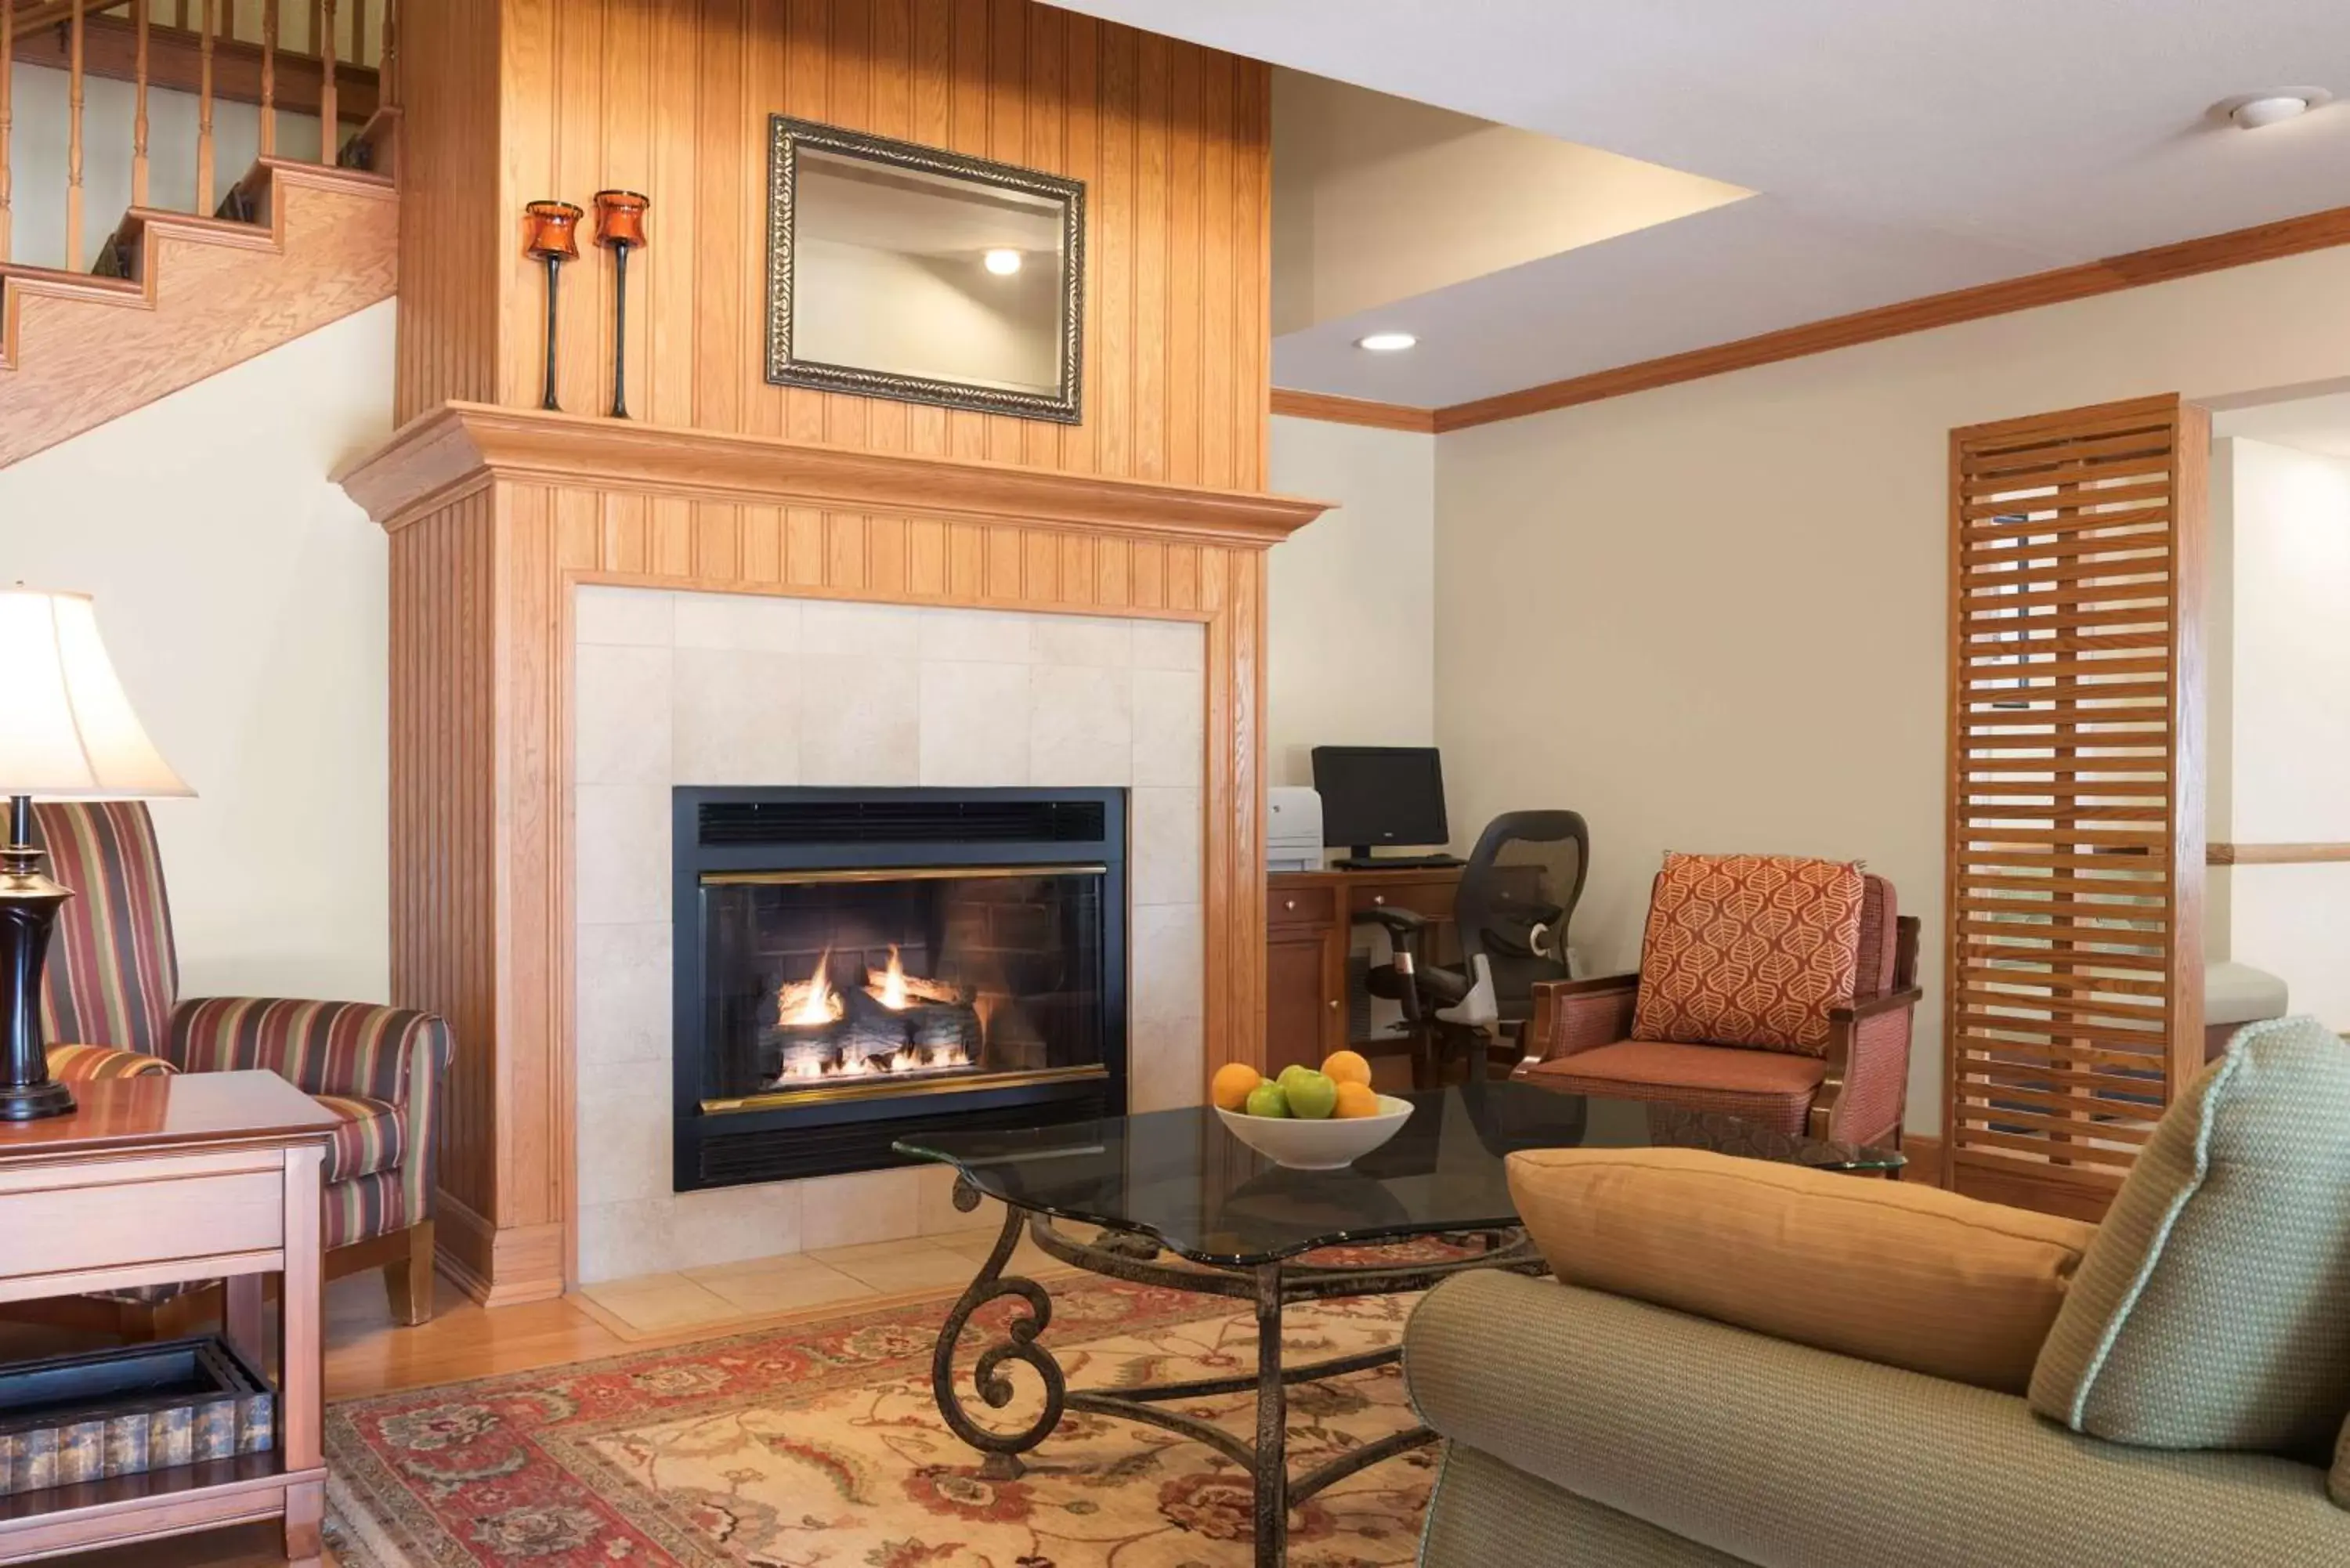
pixel 1132 1258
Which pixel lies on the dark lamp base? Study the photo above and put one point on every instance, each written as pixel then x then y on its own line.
pixel 31 1102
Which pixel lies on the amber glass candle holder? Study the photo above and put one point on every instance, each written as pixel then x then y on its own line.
pixel 551 234
pixel 620 228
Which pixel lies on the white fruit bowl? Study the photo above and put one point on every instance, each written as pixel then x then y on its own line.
pixel 1330 1144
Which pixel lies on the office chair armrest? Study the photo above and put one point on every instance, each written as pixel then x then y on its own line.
pixel 1576 1015
pixel 1399 922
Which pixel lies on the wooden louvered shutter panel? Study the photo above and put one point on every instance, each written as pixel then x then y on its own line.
pixel 2072 978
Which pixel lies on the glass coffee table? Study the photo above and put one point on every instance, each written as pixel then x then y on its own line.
pixel 1176 1182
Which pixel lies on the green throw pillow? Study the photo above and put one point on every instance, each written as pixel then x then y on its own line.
pixel 2213 1309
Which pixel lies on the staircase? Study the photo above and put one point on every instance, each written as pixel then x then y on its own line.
pixel 175 295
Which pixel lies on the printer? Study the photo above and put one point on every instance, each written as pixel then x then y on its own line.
pixel 1293 829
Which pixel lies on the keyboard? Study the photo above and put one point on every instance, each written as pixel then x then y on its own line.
pixel 1398 862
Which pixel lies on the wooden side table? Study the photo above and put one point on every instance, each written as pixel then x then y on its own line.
pixel 158 1179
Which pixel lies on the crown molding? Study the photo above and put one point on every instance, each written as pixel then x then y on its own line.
pixel 1331 409
pixel 459 447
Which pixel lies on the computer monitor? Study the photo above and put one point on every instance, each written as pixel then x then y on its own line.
pixel 1385 795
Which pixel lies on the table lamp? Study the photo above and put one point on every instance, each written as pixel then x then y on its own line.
pixel 67 733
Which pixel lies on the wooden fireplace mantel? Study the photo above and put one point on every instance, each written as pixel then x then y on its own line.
pixel 495 514
pixel 461 447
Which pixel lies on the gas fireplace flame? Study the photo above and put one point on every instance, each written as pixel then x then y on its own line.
pixel 812 1001
pixel 892 992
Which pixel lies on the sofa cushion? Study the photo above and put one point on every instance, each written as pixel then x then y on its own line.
pixel 1769 1088
pixel 1890 1272
pixel 2213 1311
pixel 2340 1485
pixel 371 1137
pixel 1782 1455
pixel 1748 950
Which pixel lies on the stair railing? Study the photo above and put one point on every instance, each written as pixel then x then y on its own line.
pixel 336 61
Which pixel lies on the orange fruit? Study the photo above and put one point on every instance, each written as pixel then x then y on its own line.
pixel 1230 1088
pixel 1355 1099
pixel 1348 1068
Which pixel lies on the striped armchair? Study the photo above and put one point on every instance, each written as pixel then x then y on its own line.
pixel 108 1000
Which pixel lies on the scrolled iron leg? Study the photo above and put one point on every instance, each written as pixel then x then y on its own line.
pixel 1272 1425
pixel 1001 1450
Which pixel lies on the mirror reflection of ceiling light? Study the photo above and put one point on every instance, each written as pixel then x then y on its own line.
pixel 1387 342
pixel 2274 106
pixel 1002 262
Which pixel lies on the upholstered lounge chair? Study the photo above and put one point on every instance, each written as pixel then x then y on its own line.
pixel 110 1007
pixel 1850 1085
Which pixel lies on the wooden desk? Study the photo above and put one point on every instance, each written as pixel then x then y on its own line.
pixel 1309 920
pixel 157 1179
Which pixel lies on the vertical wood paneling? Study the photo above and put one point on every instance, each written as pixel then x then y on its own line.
pixel 2072 978
pixel 525 99
pixel 528 98
pixel 454 221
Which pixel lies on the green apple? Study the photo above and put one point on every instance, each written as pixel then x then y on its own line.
pixel 1312 1095
pixel 1268 1100
pixel 1294 1070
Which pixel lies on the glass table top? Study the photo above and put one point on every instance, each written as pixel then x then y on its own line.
pixel 1181 1178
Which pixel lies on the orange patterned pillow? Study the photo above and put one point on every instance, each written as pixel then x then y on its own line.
pixel 1748 950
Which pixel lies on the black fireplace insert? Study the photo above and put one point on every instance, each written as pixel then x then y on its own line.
pixel 855 965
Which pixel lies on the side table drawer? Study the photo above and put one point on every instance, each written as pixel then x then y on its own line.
pixel 58 1229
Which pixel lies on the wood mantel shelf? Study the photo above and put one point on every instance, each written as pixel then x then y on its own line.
pixel 460 448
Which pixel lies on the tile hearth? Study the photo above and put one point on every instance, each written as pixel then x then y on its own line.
pixel 711 689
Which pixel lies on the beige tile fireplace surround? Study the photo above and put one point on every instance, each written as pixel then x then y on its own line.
pixel 499 517
pixel 681 688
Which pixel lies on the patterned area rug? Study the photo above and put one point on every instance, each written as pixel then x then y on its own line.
pixel 819 1445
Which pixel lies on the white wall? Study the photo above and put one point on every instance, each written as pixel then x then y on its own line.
pixel 1351 603
pixel 2289 679
pixel 1713 616
pixel 243 597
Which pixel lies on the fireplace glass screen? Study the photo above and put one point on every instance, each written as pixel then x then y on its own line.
pixel 830 984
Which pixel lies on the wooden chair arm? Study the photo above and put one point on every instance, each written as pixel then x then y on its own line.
pixel 1572 1015
pixel 1867 1067
pixel 1862 1007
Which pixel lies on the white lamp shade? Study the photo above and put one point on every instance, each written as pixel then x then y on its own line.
pixel 67 729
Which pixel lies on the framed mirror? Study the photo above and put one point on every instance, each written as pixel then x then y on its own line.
pixel 898 271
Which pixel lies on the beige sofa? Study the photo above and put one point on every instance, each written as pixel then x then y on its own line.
pixel 2202 1332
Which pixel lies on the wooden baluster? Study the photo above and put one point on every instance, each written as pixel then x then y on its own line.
pixel 268 77
pixel 204 112
pixel 73 142
pixel 7 112
pixel 139 108
pixel 387 92
pixel 329 133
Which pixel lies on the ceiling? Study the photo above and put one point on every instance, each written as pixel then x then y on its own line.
pixel 2319 424
pixel 1899 150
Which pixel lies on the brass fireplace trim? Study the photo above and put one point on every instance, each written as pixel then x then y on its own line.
pixel 862 1090
pixel 892 874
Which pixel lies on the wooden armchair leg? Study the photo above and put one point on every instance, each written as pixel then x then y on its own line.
pixel 409 1278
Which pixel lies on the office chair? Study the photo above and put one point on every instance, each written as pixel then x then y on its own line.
pixel 1517 896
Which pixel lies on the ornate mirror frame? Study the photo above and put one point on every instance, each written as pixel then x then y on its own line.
pixel 786 136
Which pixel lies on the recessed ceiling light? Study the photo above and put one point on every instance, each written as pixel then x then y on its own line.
pixel 1387 342
pixel 2255 110
pixel 1002 262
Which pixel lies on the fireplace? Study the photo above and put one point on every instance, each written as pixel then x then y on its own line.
pixel 855 964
